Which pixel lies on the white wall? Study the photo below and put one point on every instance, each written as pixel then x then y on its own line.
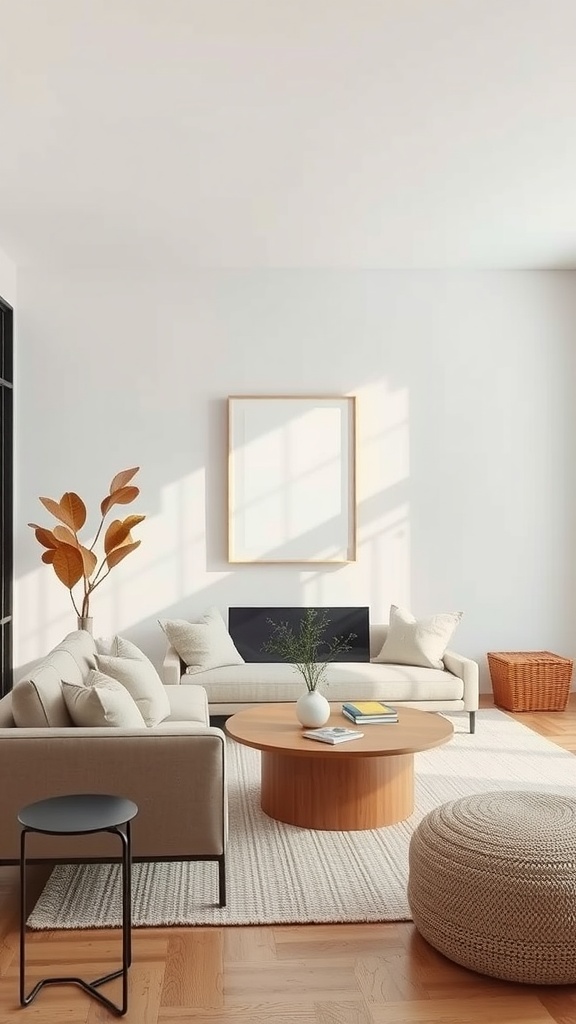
pixel 466 451
pixel 7 279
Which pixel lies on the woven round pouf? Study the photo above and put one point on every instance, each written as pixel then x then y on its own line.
pixel 492 885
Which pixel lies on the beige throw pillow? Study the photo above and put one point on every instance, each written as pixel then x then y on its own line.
pixel 119 647
pixel 141 680
pixel 202 645
pixel 417 642
pixel 101 702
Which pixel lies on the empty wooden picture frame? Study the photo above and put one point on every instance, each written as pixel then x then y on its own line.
pixel 291 478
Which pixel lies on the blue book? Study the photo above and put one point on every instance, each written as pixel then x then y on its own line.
pixel 370 720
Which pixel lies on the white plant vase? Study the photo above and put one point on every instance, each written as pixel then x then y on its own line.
pixel 312 709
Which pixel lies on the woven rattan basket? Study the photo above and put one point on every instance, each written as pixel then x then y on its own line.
pixel 530 680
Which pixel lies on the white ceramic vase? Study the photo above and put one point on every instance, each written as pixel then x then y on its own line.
pixel 85 622
pixel 312 709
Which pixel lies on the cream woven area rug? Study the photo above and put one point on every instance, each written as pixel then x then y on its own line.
pixel 280 874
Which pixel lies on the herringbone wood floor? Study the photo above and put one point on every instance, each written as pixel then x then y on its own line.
pixel 315 974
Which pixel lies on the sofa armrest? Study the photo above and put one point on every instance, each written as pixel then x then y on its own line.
pixel 172 667
pixel 467 671
pixel 176 774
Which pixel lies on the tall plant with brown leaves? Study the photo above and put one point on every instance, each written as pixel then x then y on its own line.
pixel 71 560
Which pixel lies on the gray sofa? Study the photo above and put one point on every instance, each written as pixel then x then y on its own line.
pixel 175 772
pixel 233 687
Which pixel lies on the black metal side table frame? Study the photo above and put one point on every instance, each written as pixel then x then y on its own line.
pixel 123 831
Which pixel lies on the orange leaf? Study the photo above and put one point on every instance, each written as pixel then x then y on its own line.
pixel 119 530
pixel 89 560
pixel 70 510
pixel 133 520
pixel 115 535
pixel 65 536
pixel 48 556
pixel 121 497
pixel 75 508
pixel 122 478
pixel 126 538
pixel 43 536
pixel 118 554
pixel 60 513
pixel 68 565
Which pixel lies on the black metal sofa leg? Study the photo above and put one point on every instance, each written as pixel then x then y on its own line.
pixel 222 881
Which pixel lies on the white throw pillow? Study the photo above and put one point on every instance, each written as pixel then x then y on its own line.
pixel 118 647
pixel 102 701
pixel 417 642
pixel 141 680
pixel 202 645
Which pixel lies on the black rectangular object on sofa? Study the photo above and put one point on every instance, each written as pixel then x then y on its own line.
pixel 250 629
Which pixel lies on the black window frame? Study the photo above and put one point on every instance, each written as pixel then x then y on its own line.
pixel 6 494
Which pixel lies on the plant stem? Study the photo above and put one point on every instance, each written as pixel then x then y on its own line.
pixel 96 582
pixel 98 532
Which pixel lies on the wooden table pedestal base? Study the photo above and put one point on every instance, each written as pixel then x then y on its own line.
pixel 337 793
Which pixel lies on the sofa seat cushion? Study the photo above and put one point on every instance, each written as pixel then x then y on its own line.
pixel 263 682
pixel 187 704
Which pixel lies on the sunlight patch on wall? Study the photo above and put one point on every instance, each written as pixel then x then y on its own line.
pixel 290 473
pixel 385 549
pixel 297 488
pixel 43 613
pixel 381 576
pixel 383 439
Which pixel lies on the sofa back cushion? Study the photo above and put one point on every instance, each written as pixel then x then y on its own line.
pixel 378 634
pixel 6 716
pixel 37 699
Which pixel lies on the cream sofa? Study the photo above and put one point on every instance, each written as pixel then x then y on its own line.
pixel 175 772
pixel 233 687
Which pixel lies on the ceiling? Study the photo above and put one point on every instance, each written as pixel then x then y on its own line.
pixel 172 134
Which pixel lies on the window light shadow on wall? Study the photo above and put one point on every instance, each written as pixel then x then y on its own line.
pixel 171 564
pixel 383 508
pixel 292 471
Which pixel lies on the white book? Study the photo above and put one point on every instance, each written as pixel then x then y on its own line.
pixel 335 734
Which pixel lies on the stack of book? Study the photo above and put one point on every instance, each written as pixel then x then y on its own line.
pixel 362 712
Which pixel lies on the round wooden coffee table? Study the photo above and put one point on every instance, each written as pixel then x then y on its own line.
pixel 362 783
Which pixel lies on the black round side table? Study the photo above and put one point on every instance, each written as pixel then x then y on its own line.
pixel 81 814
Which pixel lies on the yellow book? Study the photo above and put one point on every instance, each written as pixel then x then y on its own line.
pixel 369 707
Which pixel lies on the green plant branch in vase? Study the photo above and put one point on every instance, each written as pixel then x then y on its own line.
pixel 73 562
pixel 307 649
